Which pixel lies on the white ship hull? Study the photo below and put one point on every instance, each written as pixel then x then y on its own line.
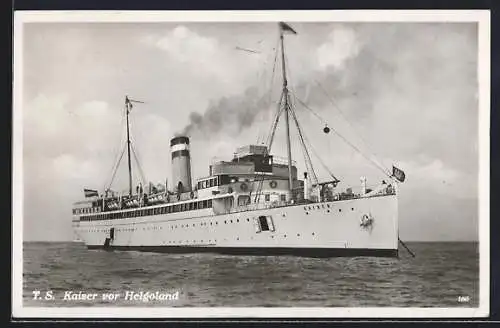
pixel 317 229
pixel 236 209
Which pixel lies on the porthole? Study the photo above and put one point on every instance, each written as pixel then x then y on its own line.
pixel 340 210
pixel 298 235
pixel 237 238
pixel 238 220
pixel 225 222
pixel 231 221
pixel 328 205
pixel 327 211
pixel 317 206
pixel 312 234
pixel 248 220
pixel 352 208
pixel 284 236
pixel 307 213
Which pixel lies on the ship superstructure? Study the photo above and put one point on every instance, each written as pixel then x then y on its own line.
pixel 252 204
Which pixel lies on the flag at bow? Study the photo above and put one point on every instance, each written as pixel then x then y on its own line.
pixel 90 192
pixel 398 174
pixel 284 27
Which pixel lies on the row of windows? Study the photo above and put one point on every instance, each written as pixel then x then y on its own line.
pixel 213 182
pixel 151 211
pixel 246 200
pixel 268 197
pixel 87 210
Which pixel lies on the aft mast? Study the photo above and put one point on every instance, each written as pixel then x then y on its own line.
pixel 128 107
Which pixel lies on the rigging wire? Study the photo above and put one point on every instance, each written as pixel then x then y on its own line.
pixel 118 155
pixel 373 160
pixel 337 107
pixel 381 168
pixel 301 134
pixel 136 157
pixel 139 165
pixel 116 168
pixel 272 132
pixel 270 92
pixel 304 147
pixel 269 143
pixel 319 158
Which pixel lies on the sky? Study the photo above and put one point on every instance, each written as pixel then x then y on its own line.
pixel 400 93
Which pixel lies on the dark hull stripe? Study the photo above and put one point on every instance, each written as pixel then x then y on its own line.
pixel 258 251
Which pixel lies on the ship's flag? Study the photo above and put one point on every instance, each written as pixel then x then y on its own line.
pixel 90 192
pixel 286 28
pixel 128 104
pixel 398 174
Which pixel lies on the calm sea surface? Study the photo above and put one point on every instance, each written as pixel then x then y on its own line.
pixel 436 277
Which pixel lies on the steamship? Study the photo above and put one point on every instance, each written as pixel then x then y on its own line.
pixel 252 204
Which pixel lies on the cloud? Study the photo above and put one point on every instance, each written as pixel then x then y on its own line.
pixel 342 44
pixel 432 175
pixel 208 59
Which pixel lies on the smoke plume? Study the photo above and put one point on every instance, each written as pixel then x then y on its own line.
pixel 228 115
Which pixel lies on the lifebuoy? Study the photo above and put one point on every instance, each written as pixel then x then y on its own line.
pixel 273 184
pixel 366 220
pixel 243 187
